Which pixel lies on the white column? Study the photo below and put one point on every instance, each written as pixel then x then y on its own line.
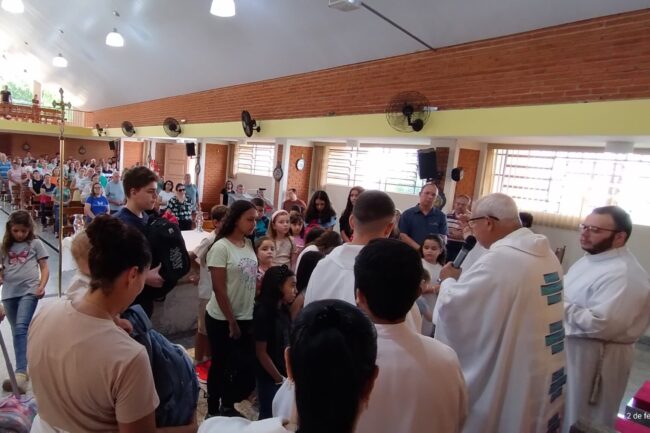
pixel 120 163
pixel 452 161
pixel 282 185
pixel 200 181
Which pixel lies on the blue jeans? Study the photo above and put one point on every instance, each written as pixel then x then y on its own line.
pixel 55 210
pixel 19 313
pixel 266 389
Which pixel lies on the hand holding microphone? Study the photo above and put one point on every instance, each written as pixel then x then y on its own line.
pixel 470 242
pixel 452 269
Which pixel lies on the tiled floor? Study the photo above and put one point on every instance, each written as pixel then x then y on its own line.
pixel 640 371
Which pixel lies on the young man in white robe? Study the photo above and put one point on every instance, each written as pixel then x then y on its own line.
pixel 420 386
pixel 373 217
pixel 503 317
pixel 607 309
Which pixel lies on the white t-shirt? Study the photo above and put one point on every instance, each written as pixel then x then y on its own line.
pixel 241 274
pixel 205 279
pixel 164 198
pixel 430 298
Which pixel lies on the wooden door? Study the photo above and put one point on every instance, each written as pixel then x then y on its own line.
pixel 175 163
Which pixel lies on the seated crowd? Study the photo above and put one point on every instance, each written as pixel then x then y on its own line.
pixel 368 328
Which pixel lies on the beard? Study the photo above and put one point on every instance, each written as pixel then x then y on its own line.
pixel 602 246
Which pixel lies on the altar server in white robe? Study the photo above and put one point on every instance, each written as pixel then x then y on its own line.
pixel 503 317
pixel 373 217
pixel 607 309
pixel 420 387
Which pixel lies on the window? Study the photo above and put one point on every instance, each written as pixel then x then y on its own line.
pixel 256 158
pixel 390 169
pixel 562 187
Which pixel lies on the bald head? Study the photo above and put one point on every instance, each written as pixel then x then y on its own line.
pixel 498 205
pixel 495 216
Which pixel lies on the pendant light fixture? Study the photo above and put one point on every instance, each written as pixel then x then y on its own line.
pixel 223 8
pixel 60 61
pixel 114 38
pixel 13 6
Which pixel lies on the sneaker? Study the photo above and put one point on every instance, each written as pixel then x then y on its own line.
pixel 21 381
pixel 202 370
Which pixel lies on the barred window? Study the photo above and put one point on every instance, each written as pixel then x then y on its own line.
pixel 390 169
pixel 255 158
pixel 564 186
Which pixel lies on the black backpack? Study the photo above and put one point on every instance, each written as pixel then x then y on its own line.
pixel 167 249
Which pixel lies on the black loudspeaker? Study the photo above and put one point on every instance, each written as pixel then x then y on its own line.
pixel 428 164
pixel 457 174
pixel 111 145
pixel 190 149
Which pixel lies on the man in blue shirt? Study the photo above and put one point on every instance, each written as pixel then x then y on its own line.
pixel 423 219
pixel 191 192
pixel 114 192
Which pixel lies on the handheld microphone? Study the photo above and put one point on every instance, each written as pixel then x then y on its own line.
pixel 462 255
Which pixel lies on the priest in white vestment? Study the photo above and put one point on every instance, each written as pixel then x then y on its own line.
pixel 503 317
pixel 420 386
pixel 607 309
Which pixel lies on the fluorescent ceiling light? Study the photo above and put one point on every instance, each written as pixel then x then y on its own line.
pixel 345 5
pixel 114 39
pixel 60 61
pixel 13 6
pixel 223 8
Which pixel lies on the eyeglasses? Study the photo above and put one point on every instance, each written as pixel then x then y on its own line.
pixel 180 190
pixel 595 229
pixel 472 221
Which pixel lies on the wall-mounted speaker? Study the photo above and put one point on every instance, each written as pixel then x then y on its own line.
pixel 457 174
pixel 111 145
pixel 428 164
pixel 190 149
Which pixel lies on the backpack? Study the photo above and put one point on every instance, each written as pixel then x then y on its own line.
pixel 173 372
pixel 167 249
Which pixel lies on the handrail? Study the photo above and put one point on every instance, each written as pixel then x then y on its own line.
pixel 36 113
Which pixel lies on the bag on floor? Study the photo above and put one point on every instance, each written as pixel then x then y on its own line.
pixel 173 372
pixel 17 412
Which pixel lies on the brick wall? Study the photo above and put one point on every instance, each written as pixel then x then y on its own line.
pixel 468 160
pixel 132 153
pixel 605 58
pixel 300 179
pixel 41 145
pixel 216 160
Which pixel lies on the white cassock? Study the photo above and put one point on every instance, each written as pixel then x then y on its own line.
pixel 333 278
pixel 472 257
pixel 420 387
pixel 503 317
pixel 607 309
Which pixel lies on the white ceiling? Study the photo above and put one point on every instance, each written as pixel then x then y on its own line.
pixel 175 47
